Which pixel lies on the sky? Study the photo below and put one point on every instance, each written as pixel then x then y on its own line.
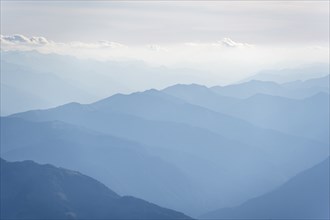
pixel 216 36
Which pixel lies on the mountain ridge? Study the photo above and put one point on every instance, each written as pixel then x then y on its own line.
pixel 304 196
pixel 30 190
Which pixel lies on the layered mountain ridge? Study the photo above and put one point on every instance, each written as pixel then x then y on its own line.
pixel 33 191
pixel 186 147
pixel 305 196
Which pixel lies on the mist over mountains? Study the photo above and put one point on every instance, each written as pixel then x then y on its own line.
pixel 31 80
pixel 33 191
pixel 186 147
pixel 80 80
pixel 289 75
pixel 305 196
pixel 164 110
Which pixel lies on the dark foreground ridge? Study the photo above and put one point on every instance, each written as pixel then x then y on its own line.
pixel 33 191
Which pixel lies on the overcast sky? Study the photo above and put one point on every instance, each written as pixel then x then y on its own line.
pixel 215 36
pixel 259 22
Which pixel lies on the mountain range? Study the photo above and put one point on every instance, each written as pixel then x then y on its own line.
pixel 306 117
pixel 305 196
pixel 125 166
pixel 80 80
pixel 33 191
pixel 186 133
pixel 187 147
pixel 292 74
pixel 30 80
pixel 296 89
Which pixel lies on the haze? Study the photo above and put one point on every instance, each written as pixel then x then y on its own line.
pixel 226 41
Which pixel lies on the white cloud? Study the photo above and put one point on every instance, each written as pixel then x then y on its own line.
pixel 258 22
pixel 230 43
pixel 155 47
pixel 224 57
pixel 222 44
pixel 18 39
pixel 39 41
pixel 15 41
pixel 110 44
pixel 96 45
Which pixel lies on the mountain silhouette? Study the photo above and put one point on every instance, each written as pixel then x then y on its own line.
pixel 33 191
pixel 305 196
pixel 295 89
pixel 306 117
pixel 207 147
pixel 125 166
